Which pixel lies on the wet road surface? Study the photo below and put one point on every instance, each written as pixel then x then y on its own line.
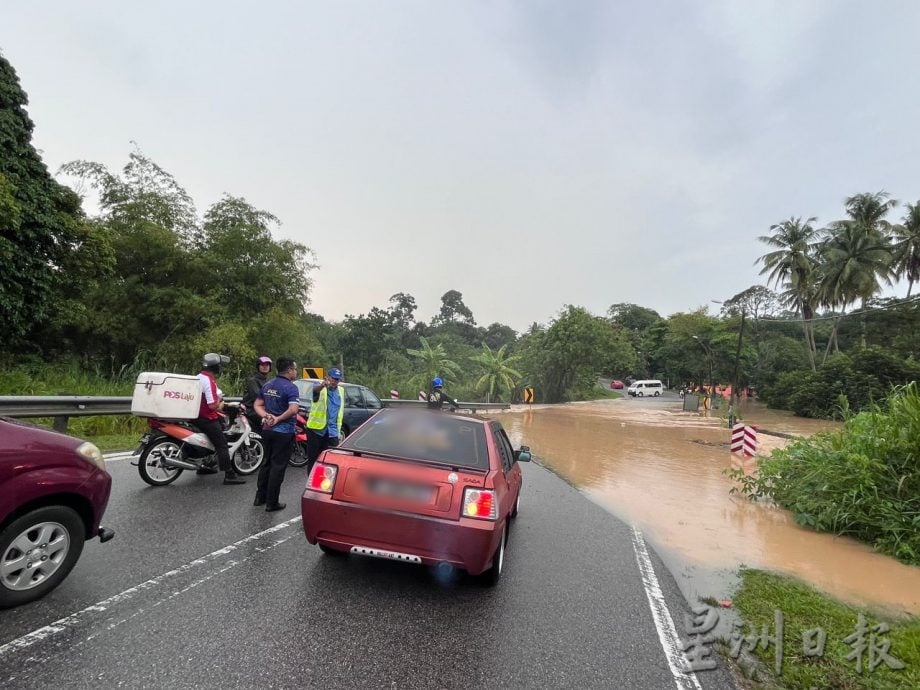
pixel 199 589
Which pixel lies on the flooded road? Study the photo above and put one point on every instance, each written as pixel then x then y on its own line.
pixel 662 470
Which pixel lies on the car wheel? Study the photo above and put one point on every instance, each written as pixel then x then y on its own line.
pixel 491 577
pixel 329 551
pixel 657 394
pixel 299 456
pixel 517 505
pixel 248 460
pixel 151 467
pixel 37 551
pixel 641 394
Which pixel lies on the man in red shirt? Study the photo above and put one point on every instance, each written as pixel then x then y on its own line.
pixel 208 417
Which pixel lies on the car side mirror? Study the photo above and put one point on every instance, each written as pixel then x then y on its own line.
pixel 522 455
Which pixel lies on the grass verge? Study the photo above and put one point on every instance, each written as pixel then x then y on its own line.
pixel 804 609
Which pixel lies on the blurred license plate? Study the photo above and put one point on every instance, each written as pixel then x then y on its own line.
pixel 392 489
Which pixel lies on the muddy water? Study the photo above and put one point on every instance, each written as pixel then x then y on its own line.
pixel 661 469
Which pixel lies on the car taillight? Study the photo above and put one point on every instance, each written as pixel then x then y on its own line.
pixel 322 478
pixel 480 503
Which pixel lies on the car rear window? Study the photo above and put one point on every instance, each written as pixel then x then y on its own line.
pixel 425 436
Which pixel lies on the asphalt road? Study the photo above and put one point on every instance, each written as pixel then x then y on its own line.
pixel 200 589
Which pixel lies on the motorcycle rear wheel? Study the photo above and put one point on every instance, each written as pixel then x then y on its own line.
pixel 299 454
pixel 152 469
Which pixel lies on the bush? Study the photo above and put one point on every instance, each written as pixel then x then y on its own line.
pixel 862 481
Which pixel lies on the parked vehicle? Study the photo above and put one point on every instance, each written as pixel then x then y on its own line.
pixel 645 388
pixel 616 384
pixel 299 453
pixel 53 493
pixel 419 487
pixel 361 403
pixel 172 446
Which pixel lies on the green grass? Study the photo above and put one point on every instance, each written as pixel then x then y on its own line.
pixel 602 394
pixel 803 609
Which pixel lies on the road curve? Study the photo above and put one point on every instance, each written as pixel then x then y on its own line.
pixel 199 589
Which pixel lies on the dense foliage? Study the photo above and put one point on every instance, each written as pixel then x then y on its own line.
pixel 862 481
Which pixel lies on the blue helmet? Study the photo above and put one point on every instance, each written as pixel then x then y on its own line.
pixel 437 382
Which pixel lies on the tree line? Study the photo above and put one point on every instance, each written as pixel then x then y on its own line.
pixel 147 282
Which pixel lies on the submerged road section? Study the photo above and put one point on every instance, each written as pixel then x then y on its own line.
pixel 200 589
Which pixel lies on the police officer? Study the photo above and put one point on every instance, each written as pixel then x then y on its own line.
pixel 324 425
pixel 437 397
pixel 277 405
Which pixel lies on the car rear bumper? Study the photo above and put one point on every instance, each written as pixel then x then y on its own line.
pixel 466 543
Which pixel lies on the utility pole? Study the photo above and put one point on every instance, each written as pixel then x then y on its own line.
pixel 736 394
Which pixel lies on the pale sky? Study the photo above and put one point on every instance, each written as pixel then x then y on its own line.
pixel 528 154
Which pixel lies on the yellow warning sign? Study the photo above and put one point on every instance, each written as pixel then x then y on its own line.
pixel 314 373
pixel 528 395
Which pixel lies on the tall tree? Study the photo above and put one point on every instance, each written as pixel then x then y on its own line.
pixel 907 246
pixel 41 224
pixel 433 361
pixel 792 266
pixel 453 309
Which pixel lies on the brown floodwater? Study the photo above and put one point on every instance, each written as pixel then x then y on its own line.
pixel 661 469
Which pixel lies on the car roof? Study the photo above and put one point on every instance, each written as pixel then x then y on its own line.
pixel 341 383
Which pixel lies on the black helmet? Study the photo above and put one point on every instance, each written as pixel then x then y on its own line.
pixel 212 360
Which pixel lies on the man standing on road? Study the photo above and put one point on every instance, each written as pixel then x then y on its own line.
pixel 277 405
pixel 209 417
pixel 253 387
pixel 324 425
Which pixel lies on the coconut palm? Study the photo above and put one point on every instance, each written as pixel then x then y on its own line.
pixel 907 246
pixel 792 266
pixel 433 361
pixel 499 376
pixel 858 255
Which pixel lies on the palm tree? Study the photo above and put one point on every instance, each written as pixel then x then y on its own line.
pixel 859 254
pixel 499 376
pixel 907 246
pixel 433 362
pixel 792 265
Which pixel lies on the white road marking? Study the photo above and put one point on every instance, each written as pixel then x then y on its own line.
pixel 664 624
pixel 75 619
pixel 108 457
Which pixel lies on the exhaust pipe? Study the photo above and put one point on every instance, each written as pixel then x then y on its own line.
pixel 181 464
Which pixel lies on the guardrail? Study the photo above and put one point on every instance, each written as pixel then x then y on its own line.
pixel 62 407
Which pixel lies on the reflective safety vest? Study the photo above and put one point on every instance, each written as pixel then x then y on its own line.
pixel 317 419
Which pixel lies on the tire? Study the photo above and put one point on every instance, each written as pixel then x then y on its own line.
pixel 640 394
pixel 491 577
pixel 299 456
pixel 150 468
pixel 248 460
pixel 517 505
pixel 657 394
pixel 60 531
pixel 329 551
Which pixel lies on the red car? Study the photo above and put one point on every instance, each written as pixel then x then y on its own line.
pixel 420 487
pixel 53 491
pixel 616 384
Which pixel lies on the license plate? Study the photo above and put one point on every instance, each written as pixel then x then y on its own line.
pixel 391 489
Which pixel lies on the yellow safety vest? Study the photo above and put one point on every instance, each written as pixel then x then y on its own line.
pixel 317 419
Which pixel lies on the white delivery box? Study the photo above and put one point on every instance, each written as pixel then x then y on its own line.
pixel 166 396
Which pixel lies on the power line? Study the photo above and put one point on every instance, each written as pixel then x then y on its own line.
pixel 887 307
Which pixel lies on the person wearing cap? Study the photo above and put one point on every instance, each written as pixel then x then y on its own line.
pixel 277 404
pixel 253 385
pixel 324 425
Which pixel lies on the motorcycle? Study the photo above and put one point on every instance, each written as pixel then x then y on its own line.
pixel 299 456
pixel 173 446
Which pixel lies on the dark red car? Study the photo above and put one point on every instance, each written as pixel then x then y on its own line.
pixel 420 487
pixel 616 384
pixel 53 491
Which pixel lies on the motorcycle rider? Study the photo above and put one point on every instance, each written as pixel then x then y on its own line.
pixel 253 386
pixel 437 397
pixel 209 416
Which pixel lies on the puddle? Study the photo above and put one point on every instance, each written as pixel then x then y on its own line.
pixel 661 469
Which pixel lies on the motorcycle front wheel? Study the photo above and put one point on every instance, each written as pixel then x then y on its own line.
pixel 299 454
pixel 151 466
pixel 248 460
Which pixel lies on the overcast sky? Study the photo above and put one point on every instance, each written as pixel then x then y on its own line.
pixel 528 154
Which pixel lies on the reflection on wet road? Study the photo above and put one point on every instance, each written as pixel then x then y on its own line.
pixel 662 470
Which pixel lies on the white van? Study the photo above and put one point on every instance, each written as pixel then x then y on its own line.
pixel 641 389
